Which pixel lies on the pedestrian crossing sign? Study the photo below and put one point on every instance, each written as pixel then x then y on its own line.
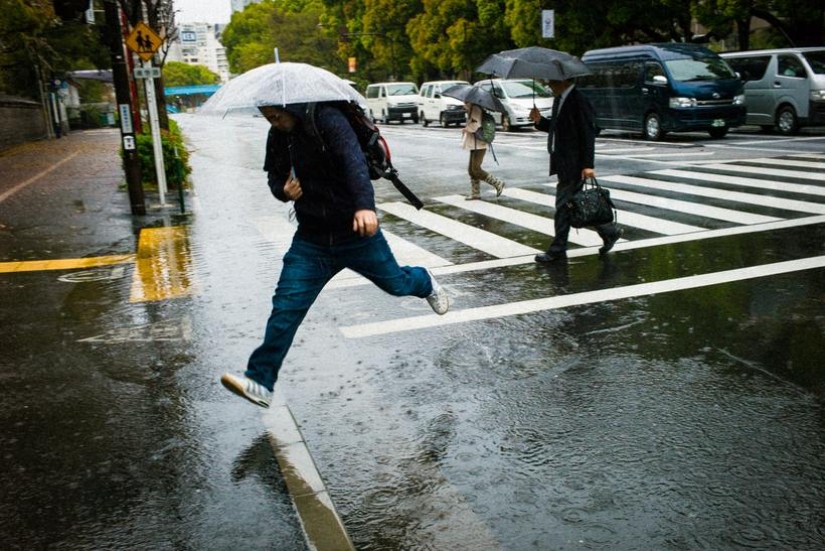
pixel 143 41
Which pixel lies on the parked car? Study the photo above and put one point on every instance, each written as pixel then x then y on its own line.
pixel 433 106
pixel 518 96
pixel 784 89
pixel 660 88
pixel 388 101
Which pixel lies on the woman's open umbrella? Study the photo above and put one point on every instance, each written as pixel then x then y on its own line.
pixel 473 94
pixel 281 84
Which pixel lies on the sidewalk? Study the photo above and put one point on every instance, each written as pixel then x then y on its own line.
pixel 66 199
pixel 64 206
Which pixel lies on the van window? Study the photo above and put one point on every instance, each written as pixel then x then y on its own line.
pixel 373 92
pixel 690 68
pixel 615 75
pixel 653 70
pixel 817 61
pixel 790 66
pixel 750 68
pixel 401 89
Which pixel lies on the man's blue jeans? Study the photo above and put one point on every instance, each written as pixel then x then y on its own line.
pixel 307 268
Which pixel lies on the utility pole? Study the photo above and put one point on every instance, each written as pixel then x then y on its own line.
pixel 120 77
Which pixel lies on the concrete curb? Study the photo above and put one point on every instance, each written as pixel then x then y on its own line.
pixel 323 528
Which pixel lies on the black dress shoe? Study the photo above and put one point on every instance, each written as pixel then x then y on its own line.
pixel 548 257
pixel 610 241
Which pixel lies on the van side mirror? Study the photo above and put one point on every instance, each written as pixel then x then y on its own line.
pixel 659 79
pixel 437 95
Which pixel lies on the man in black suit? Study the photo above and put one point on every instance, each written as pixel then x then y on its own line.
pixel 571 142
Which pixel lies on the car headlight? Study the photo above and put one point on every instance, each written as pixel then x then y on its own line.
pixel 682 102
pixel 739 99
pixel 817 95
pixel 520 111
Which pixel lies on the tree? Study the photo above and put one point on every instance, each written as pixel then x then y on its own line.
pixel 183 74
pixel 253 34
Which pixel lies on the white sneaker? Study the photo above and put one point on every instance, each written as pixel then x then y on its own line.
pixel 438 299
pixel 247 388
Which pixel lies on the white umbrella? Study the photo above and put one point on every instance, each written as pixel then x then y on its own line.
pixel 281 84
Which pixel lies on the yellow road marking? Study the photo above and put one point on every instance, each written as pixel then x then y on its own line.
pixel 64 263
pixel 163 267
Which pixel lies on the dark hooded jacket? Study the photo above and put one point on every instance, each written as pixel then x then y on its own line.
pixel 332 170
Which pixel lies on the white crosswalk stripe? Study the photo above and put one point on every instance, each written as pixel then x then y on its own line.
pixel 711 193
pixel 485 241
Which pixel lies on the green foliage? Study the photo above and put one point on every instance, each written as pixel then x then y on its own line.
pixel 176 73
pixel 253 34
pixel 36 45
pixel 175 157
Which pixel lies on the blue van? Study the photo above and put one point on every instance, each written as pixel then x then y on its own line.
pixel 660 88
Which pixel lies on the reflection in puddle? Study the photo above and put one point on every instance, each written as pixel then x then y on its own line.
pixel 164 267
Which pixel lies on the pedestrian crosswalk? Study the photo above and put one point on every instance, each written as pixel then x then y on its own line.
pixel 671 205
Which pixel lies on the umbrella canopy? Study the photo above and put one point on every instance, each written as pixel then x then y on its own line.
pixel 534 62
pixel 281 84
pixel 473 94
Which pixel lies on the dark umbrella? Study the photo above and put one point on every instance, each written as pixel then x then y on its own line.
pixel 473 94
pixel 534 62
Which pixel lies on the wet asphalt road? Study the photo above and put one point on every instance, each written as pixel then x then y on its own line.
pixel 671 417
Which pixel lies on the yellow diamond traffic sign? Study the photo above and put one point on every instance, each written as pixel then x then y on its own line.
pixel 143 41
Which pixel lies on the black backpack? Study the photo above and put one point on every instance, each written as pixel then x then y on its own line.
pixel 373 144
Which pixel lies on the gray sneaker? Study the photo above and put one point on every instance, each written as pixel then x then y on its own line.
pixel 247 388
pixel 438 299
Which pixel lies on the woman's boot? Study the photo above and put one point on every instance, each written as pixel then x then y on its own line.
pixel 475 190
pixel 496 183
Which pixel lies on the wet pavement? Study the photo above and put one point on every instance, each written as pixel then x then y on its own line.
pixel 646 408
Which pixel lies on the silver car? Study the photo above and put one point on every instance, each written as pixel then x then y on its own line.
pixel 518 96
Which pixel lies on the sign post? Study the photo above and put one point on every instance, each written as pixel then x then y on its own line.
pixel 144 42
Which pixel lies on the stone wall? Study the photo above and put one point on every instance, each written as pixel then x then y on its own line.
pixel 21 121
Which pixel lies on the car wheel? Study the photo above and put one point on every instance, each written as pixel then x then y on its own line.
pixel 443 120
pixel 423 119
pixel 505 123
pixel 652 127
pixel 717 133
pixel 786 121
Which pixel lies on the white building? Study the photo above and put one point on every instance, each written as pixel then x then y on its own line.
pixel 199 44
pixel 239 5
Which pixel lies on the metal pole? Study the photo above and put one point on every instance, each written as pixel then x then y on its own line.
pixel 131 162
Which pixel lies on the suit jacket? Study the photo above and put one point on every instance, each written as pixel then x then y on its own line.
pixel 573 132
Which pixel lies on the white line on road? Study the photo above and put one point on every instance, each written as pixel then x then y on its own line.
pixel 5 195
pixel 498 311
pixel 714 193
pixel 766 172
pixel 625 218
pixel 759 183
pixel 481 240
pixel 539 224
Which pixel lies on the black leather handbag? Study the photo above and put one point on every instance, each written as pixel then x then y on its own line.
pixel 591 206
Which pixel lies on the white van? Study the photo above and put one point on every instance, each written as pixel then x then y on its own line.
pixel 784 88
pixel 518 96
pixel 388 101
pixel 433 106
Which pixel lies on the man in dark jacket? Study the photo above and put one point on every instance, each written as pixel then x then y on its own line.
pixel 571 142
pixel 329 182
